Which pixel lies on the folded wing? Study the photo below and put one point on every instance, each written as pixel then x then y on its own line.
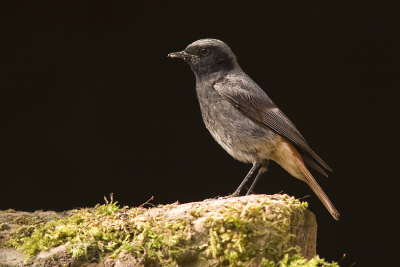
pixel 249 98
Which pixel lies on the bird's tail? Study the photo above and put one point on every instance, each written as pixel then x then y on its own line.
pixel 317 189
pixel 286 155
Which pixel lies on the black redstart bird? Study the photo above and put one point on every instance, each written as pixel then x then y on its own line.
pixel 244 120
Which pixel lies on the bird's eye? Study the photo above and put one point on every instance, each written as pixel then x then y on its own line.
pixel 204 51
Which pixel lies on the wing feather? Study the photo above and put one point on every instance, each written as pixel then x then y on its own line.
pixel 249 98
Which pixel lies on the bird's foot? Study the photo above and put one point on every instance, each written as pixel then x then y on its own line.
pixel 249 193
pixel 230 196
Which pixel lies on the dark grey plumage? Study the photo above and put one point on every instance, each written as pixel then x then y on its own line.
pixel 244 120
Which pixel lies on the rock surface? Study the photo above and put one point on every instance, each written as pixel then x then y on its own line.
pixel 218 232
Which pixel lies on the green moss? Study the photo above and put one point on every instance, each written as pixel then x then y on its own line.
pixel 238 234
pixel 298 261
pixel 235 234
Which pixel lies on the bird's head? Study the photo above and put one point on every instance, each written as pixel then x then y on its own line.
pixel 207 56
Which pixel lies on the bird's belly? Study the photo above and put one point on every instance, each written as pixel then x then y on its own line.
pixel 241 137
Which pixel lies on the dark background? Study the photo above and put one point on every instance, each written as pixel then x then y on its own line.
pixel 90 104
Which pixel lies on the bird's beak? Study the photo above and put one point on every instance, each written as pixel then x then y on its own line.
pixel 181 54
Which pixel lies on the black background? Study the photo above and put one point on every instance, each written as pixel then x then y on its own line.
pixel 90 104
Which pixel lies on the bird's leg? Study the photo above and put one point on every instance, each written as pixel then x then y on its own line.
pixel 264 166
pixel 255 166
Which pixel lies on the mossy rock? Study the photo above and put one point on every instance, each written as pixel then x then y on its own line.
pixel 255 230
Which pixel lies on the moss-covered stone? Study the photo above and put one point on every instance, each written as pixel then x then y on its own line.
pixel 255 230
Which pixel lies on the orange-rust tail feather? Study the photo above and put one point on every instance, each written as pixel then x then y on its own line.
pixel 286 155
pixel 317 189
